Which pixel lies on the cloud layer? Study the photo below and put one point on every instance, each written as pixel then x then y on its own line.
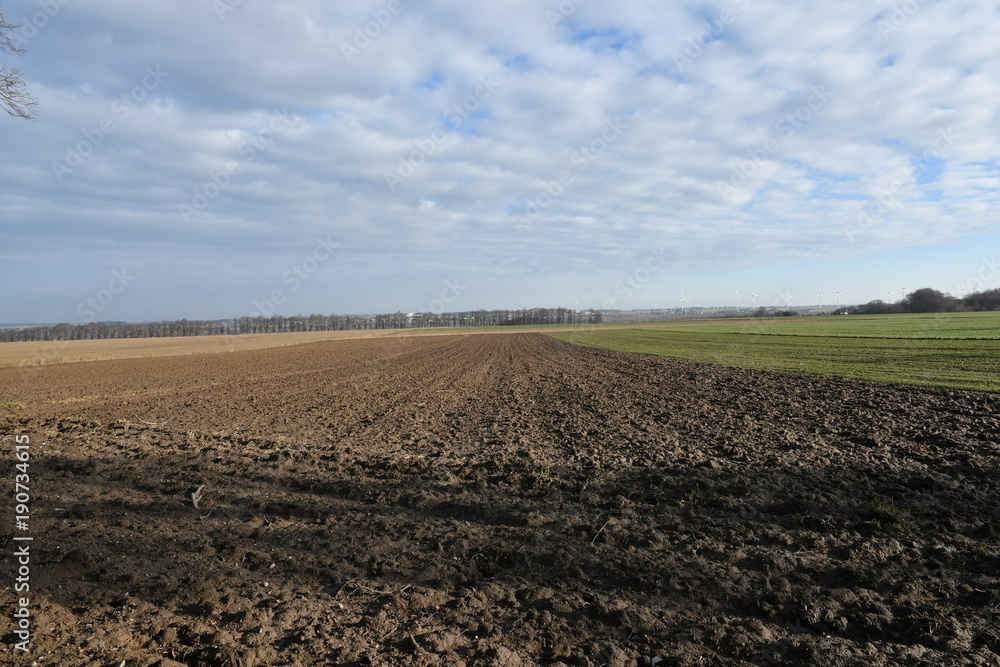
pixel 535 152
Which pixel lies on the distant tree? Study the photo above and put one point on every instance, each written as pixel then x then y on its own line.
pixel 876 307
pixel 988 300
pixel 14 96
pixel 298 323
pixel 927 300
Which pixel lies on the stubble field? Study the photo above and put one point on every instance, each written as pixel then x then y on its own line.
pixel 499 500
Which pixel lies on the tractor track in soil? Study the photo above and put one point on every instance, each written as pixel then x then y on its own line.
pixel 500 500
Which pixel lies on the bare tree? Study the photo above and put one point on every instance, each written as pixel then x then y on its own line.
pixel 14 96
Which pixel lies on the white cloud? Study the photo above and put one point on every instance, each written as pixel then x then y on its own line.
pixel 481 111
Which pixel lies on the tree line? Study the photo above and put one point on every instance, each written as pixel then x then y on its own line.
pixel 927 300
pixel 298 323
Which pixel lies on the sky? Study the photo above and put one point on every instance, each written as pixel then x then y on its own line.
pixel 219 158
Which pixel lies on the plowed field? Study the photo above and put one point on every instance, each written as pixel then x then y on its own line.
pixel 497 500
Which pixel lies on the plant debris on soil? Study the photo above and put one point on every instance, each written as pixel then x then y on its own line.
pixel 498 500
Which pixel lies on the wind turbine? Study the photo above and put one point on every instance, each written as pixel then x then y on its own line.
pixel 838 298
pixel 650 303
pixel 820 297
pixel 889 292
pixel 902 293
pixel 684 301
pixel 788 298
pixel 753 300
pixel 738 297
pixel 961 291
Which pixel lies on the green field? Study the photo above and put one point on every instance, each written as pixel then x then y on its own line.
pixel 961 326
pixel 960 351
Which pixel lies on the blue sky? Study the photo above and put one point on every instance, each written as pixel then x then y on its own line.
pixel 218 158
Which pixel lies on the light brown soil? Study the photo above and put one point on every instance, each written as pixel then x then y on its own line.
pixel 73 351
pixel 498 500
pixel 70 351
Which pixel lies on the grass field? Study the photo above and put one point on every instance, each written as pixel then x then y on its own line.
pixel 960 351
pixel 960 326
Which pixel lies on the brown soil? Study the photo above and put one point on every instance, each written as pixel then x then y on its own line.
pixel 71 351
pixel 74 351
pixel 498 500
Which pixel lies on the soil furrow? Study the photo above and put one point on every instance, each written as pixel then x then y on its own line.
pixel 502 500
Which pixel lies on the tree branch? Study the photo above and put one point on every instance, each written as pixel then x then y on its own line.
pixel 14 96
pixel 6 43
